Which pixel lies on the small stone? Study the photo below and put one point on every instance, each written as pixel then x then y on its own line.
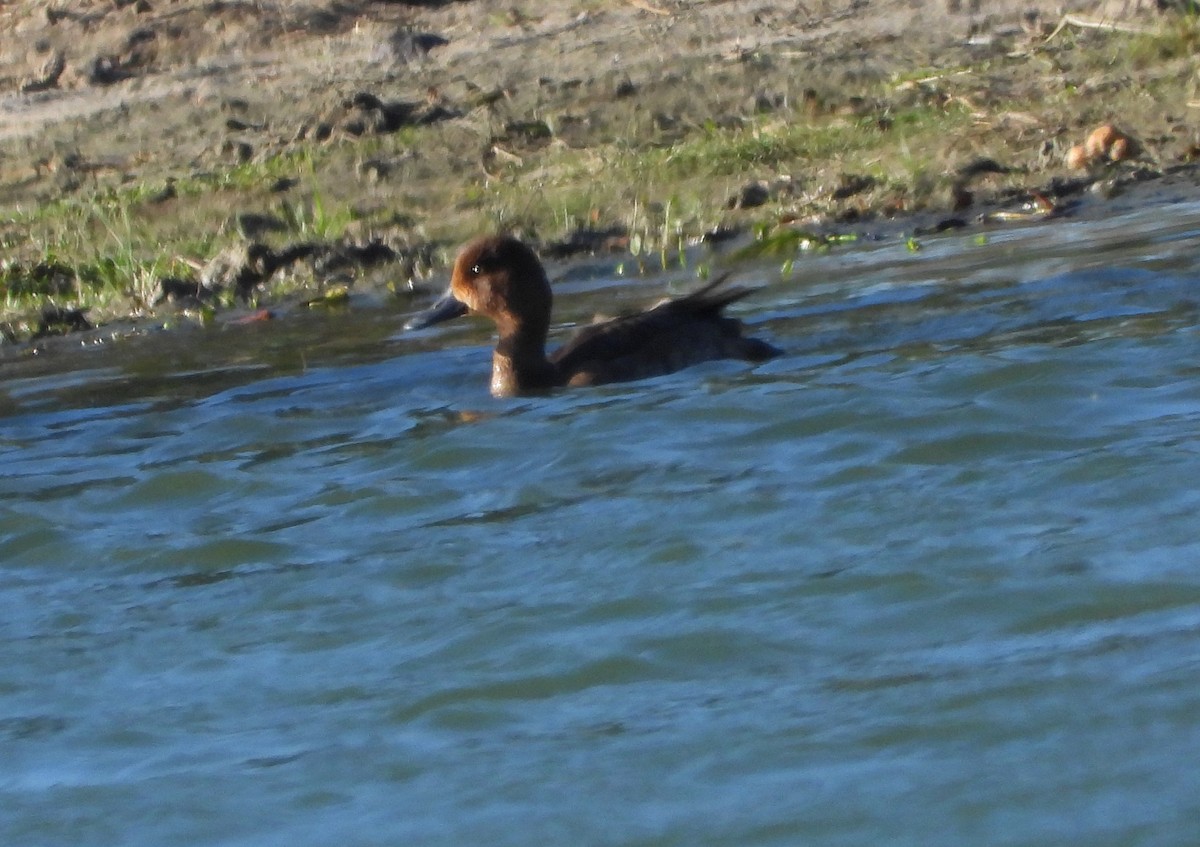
pixel 243 151
pixel 48 76
pixel 981 166
pixel 851 184
pixel 406 46
pixel 528 130
pixel 56 320
pixel 375 170
pixel 254 225
pixel 625 88
pixel 104 70
pixel 241 268
pixel 365 100
pixel 173 288
pixel 168 192
pixel 752 195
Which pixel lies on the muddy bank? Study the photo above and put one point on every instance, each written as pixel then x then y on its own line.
pixel 164 162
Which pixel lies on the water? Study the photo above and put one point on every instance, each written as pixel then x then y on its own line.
pixel 932 578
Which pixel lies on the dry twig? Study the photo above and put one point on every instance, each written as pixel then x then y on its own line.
pixel 1088 23
pixel 646 7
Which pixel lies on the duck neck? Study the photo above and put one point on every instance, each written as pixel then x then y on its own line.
pixel 519 362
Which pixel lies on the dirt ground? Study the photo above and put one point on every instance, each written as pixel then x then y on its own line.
pixel 417 124
pixel 147 86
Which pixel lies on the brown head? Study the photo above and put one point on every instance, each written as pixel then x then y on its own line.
pixel 501 278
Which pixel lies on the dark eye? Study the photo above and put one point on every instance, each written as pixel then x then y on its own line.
pixel 476 270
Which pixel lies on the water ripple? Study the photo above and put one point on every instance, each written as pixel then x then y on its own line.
pixel 927 577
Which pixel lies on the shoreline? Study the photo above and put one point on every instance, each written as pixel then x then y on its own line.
pixel 346 154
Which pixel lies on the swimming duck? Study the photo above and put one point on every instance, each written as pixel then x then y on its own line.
pixel 501 278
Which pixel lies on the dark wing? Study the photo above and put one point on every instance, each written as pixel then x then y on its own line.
pixel 670 336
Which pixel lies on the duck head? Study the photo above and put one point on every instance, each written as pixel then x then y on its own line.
pixel 500 278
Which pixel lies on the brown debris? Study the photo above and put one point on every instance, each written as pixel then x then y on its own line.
pixel 1105 143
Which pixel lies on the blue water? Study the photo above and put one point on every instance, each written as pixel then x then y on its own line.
pixel 931 578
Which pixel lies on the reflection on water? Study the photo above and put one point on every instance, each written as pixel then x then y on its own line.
pixel 928 578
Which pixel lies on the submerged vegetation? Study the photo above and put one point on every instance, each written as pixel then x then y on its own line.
pixel 643 169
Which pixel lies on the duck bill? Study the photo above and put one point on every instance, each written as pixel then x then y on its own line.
pixel 445 309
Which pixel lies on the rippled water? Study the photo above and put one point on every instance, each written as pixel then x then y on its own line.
pixel 931 578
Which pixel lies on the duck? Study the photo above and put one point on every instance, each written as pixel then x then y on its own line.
pixel 501 278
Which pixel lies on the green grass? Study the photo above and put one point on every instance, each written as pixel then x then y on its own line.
pixel 739 152
pixel 108 249
pixel 1177 37
pixel 117 241
pixel 666 196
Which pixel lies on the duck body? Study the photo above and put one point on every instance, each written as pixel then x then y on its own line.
pixel 501 278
